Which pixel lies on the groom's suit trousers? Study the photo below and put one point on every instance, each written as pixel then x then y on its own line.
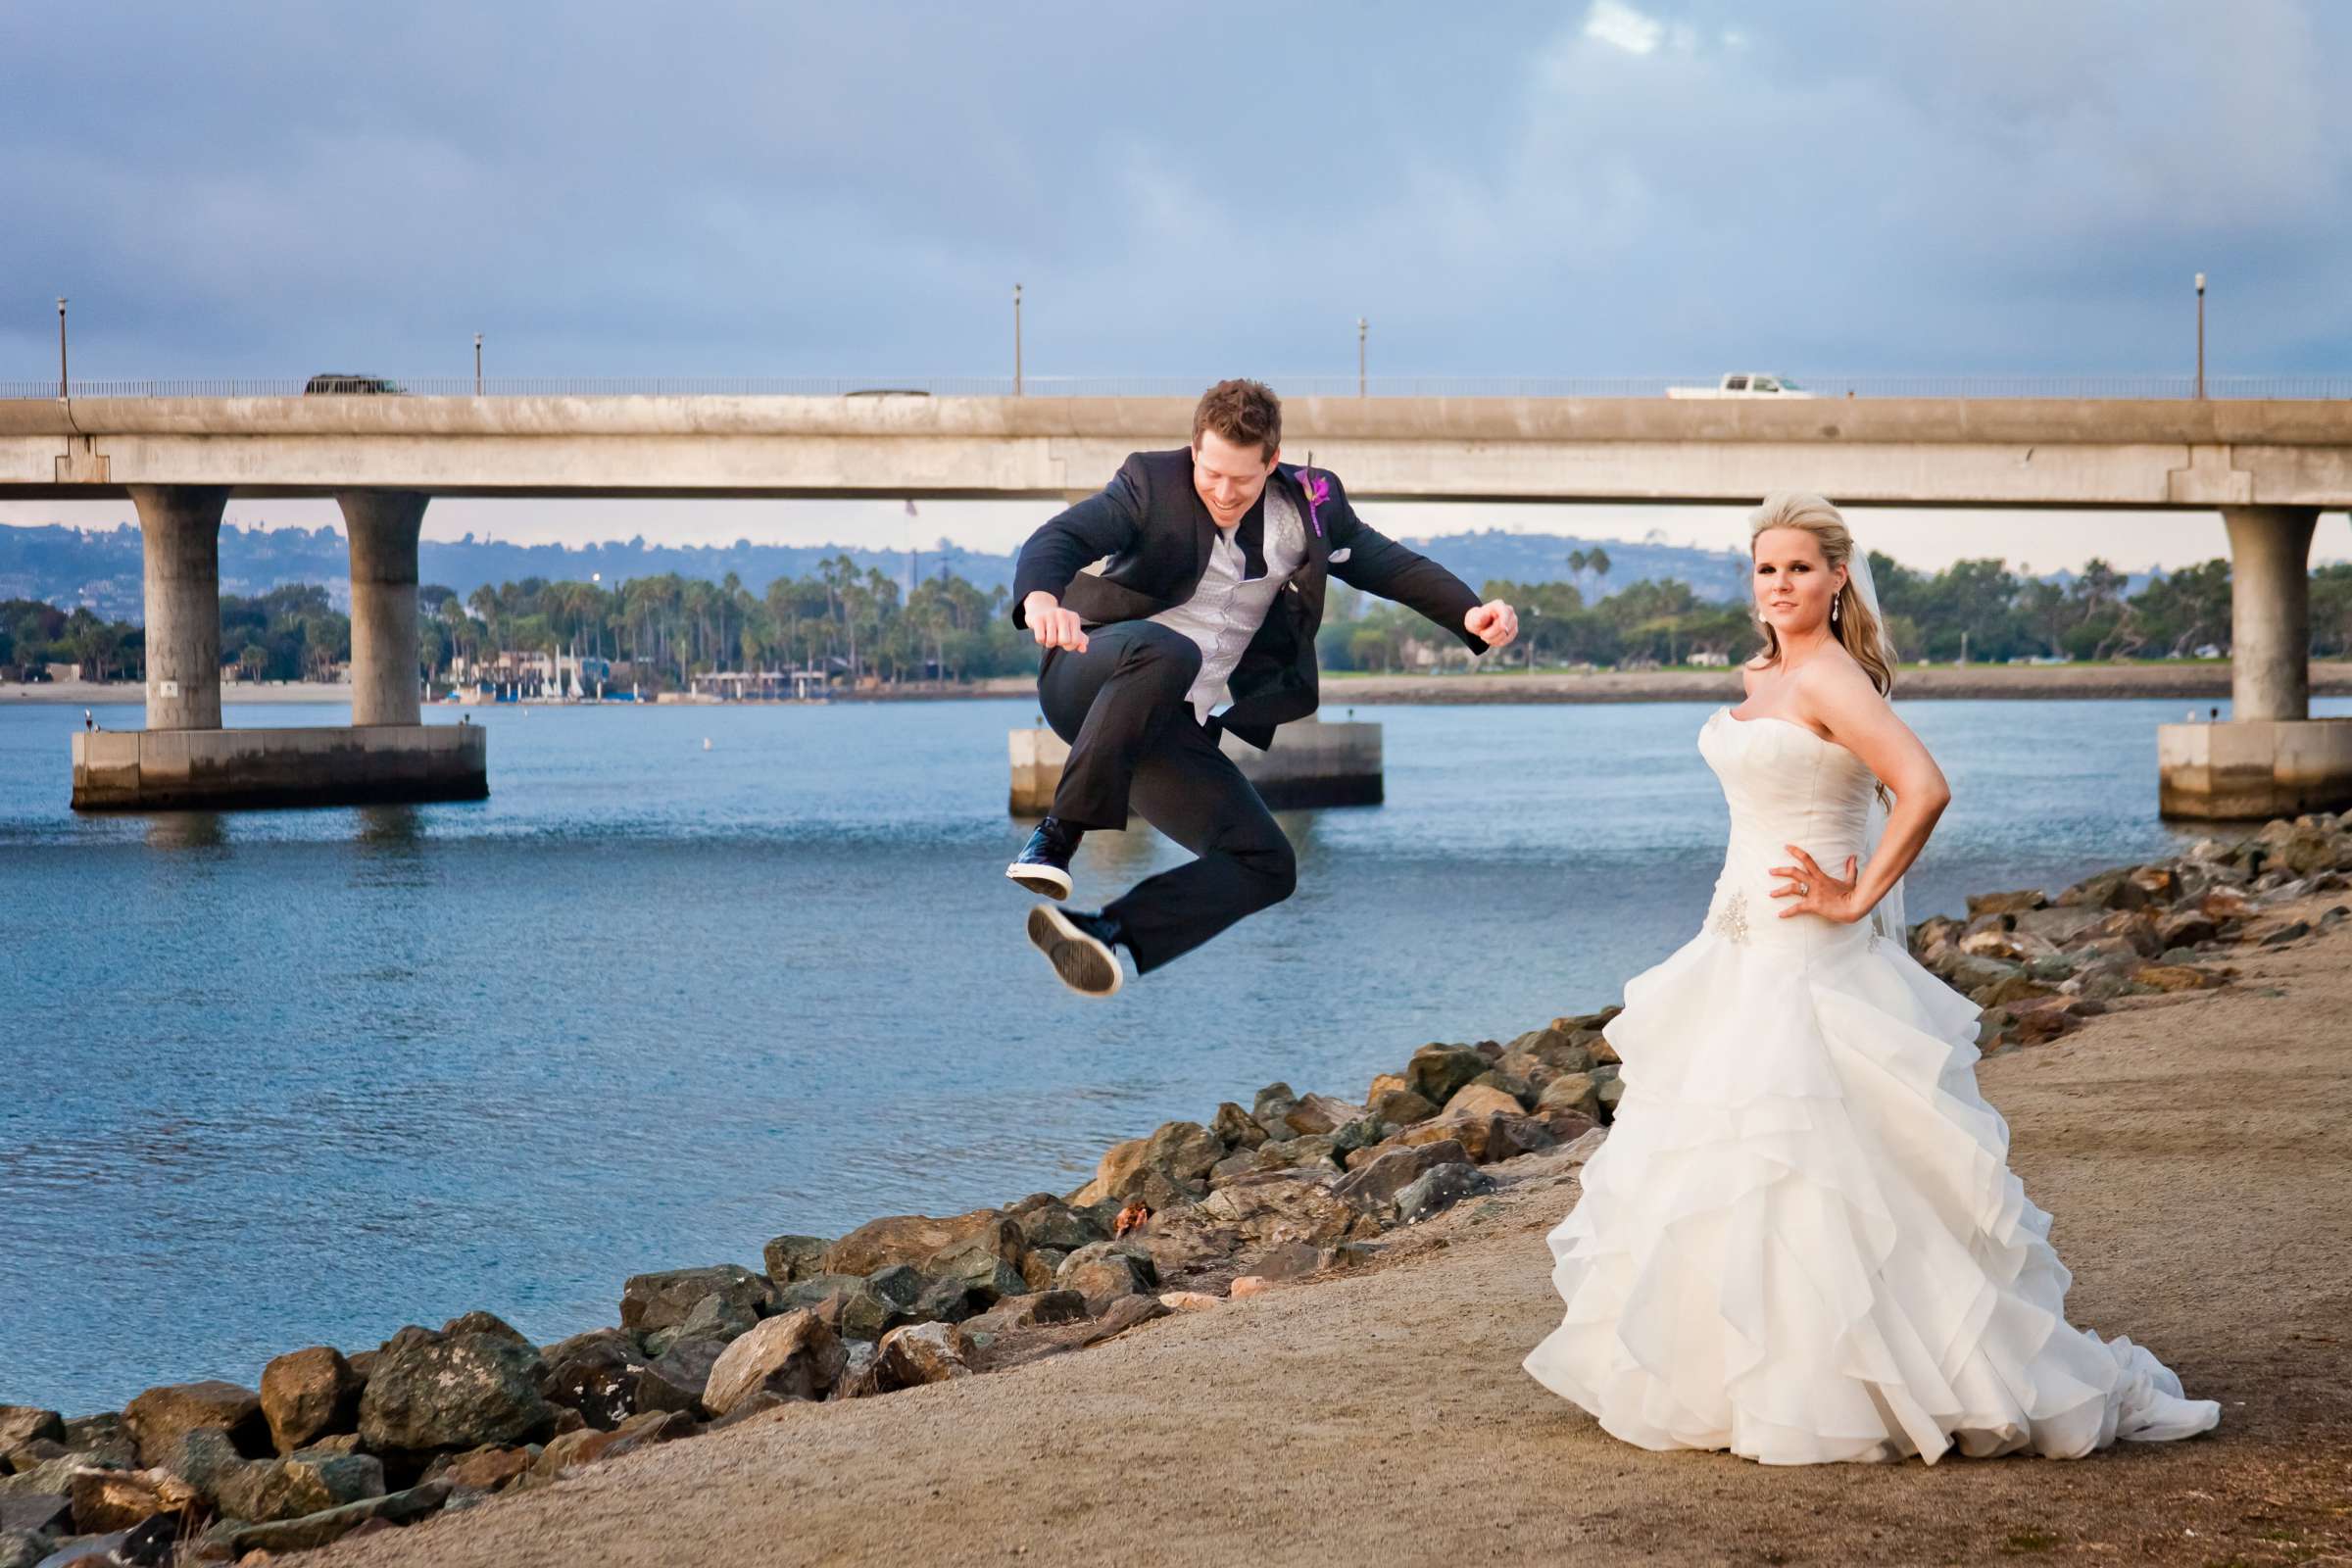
pixel 1135 744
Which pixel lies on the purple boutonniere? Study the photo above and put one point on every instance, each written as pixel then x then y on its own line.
pixel 1318 491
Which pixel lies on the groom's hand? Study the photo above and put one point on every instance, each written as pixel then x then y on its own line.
pixel 1495 622
pixel 1052 625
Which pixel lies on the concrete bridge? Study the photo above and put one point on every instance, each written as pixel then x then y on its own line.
pixel 2267 466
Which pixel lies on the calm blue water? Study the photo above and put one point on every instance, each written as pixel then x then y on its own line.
pixel 281 1078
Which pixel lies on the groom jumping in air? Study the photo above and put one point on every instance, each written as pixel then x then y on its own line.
pixel 1212 596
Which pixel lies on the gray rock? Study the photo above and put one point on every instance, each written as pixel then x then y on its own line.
pixel 867 1311
pixel 23 1549
pixel 919 1354
pixel 37 1512
pixel 490 1323
pixel 103 1438
pixel 1373 1188
pixel 1236 1127
pixel 1103 1271
pixel 666 1299
pixel 675 1379
pixel 21 1424
pixel 814 1288
pixel 719 1315
pixel 286 1488
pixel 26 1455
pixel 49 1477
pixel 1029 1311
pixel 455 1392
pixel 1282 1205
pixel 203 1458
pixel 979 1269
pixel 594 1373
pixel 1275 1099
pixel 901 1284
pixel 1186 1242
pixel 1437 1072
pixel 1123 1314
pixel 1438 1189
pixel 794 1257
pixel 1058 1225
pixel 332 1524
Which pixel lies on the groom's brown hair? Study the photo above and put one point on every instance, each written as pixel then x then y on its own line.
pixel 1242 412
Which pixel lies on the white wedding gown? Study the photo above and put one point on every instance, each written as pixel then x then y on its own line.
pixel 1801 1241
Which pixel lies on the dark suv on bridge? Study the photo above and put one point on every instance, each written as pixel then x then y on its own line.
pixel 331 382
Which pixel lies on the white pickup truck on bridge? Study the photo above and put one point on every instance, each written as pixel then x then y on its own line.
pixel 1742 385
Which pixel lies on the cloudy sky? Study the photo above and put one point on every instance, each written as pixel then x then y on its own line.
pixel 1598 187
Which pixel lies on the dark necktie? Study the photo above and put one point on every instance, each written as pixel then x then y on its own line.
pixel 1251 534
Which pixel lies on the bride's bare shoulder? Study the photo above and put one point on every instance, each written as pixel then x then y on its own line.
pixel 1833 680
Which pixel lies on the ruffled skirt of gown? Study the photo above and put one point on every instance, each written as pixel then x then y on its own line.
pixel 1801 1241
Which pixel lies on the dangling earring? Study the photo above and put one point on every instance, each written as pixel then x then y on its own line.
pixel 1833 611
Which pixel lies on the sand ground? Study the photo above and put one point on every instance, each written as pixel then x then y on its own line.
pixel 2197 1155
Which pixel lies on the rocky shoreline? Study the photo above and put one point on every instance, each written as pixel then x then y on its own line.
pixel 329 1444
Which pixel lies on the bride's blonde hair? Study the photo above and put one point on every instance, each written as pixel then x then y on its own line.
pixel 1857 629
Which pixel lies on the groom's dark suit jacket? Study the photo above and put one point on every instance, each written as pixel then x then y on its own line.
pixel 1155 530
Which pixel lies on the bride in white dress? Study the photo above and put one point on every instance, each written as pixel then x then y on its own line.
pixel 1801 1241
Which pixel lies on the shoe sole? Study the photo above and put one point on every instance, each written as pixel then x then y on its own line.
pixel 1046 881
pixel 1084 963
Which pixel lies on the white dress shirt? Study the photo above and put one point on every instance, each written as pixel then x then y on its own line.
pixel 1227 608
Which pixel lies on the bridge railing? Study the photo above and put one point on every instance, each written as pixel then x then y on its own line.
pixel 1296 386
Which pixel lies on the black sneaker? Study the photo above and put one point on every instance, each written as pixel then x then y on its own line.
pixel 1079 946
pixel 1044 865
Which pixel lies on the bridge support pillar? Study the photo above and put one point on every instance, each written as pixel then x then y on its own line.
pixel 2271 758
pixel 180 527
pixel 2269 611
pixel 383 525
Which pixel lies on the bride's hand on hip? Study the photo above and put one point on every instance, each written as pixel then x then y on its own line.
pixel 1816 891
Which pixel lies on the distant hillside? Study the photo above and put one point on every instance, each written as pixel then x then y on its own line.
pixel 1479 558
pixel 101 567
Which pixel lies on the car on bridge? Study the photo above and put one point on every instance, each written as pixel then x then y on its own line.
pixel 1739 384
pixel 337 382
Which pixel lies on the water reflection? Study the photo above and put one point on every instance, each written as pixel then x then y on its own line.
pixel 188 830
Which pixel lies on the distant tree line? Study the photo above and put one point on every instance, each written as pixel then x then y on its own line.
pixel 860 622
pixel 290 633
pixel 842 620
pixel 1981 607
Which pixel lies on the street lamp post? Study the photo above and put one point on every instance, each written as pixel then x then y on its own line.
pixel 62 393
pixel 478 364
pixel 1364 328
pixel 2200 335
pixel 1016 340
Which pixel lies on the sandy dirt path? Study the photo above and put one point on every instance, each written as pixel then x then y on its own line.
pixel 2197 1153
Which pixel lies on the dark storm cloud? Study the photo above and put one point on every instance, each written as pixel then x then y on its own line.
pixel 1596 188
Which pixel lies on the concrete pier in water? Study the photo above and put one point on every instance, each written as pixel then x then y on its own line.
pixel 184 758
pixel 170 769
pixel 1312 764
pixel 2271 758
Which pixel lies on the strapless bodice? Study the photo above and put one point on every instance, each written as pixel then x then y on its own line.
pixel 1784 785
